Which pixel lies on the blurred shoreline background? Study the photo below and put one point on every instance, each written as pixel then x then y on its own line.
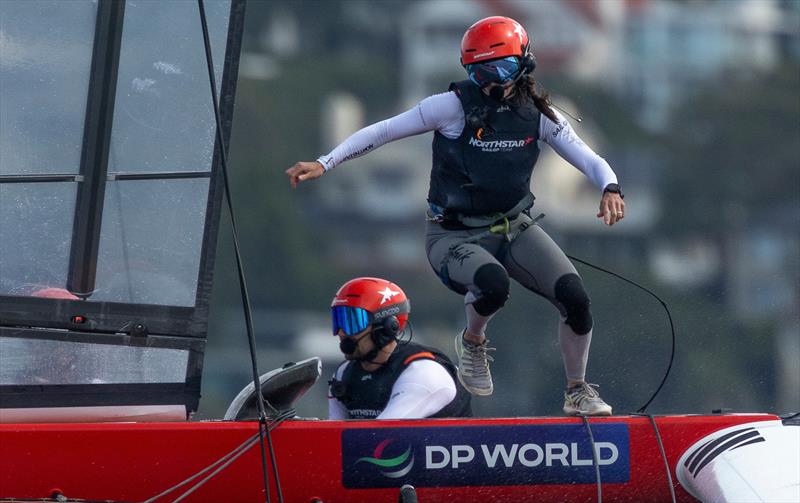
pixel 696 106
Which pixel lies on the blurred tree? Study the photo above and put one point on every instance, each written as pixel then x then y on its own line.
pixel 732 152
pixel 276 124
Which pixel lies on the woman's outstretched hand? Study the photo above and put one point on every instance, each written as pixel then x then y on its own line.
pixel 303 171
pixel 612 208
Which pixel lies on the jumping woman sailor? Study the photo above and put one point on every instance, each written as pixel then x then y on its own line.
pixel 479 231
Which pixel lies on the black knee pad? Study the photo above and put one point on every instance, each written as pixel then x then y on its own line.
pixel 493 284
pixel 571 294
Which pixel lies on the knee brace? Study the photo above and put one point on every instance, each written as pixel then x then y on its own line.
pixel 493 285
pixel 571 294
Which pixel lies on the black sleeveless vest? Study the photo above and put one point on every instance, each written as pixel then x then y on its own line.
pixel 488 168
pixel 365 394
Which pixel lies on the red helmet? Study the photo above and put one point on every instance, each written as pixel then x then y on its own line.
pixel 492 38
pixel 378 297
pixel 54 293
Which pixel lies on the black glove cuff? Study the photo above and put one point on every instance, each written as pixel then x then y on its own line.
pixel 614 189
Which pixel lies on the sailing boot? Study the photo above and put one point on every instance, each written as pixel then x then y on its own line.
pixel 473 366
pixel 584 400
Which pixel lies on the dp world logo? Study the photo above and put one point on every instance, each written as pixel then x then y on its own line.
pixel 514 455
pixel 393 467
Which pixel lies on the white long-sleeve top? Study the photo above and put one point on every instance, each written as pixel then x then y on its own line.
pixel 422 389
pixel 443 113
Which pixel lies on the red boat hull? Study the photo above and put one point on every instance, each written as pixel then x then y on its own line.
pixel 329 460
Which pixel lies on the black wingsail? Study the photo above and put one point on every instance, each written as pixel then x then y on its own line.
pixel 110 198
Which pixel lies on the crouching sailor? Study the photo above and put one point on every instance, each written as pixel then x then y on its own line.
pixel 382 378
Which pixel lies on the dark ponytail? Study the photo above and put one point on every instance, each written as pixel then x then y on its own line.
pixel 528 91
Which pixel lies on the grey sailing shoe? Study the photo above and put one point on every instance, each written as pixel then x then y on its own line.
pixel 473 366
pixel 584 400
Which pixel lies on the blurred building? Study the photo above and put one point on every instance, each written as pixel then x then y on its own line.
pixel 672 46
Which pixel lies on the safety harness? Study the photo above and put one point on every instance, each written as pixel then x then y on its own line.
pixel 509 224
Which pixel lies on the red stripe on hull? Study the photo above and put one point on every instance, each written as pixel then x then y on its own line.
pixel 135 461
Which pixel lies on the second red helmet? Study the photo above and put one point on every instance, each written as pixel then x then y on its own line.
pixel 366 301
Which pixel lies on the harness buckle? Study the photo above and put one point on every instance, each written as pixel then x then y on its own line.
pixel 501 227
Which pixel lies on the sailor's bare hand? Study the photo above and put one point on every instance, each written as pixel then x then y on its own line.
pixel 612 208
pixel 303 171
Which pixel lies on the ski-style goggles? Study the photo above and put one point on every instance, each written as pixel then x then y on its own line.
pixel 498 70
pixel 350 320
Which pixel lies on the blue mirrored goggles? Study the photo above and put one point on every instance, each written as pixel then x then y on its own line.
pixel 351 320
pixel 498 70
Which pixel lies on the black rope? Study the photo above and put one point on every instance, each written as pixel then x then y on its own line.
pixel 595 461
pixel 225 461
pixel 669 316
pixel 663 454
pixel 240 448
pixel 249 443
pixel 263 430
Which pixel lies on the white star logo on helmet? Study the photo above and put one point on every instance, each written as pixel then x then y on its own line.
pixel 387 294
pixel 518 29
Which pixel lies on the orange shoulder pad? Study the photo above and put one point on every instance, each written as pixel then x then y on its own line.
pixel 424 355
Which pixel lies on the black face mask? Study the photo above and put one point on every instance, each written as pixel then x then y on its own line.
pixel 497 93
pixel 348 345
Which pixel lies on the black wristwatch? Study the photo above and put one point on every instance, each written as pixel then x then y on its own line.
pixel 614 189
